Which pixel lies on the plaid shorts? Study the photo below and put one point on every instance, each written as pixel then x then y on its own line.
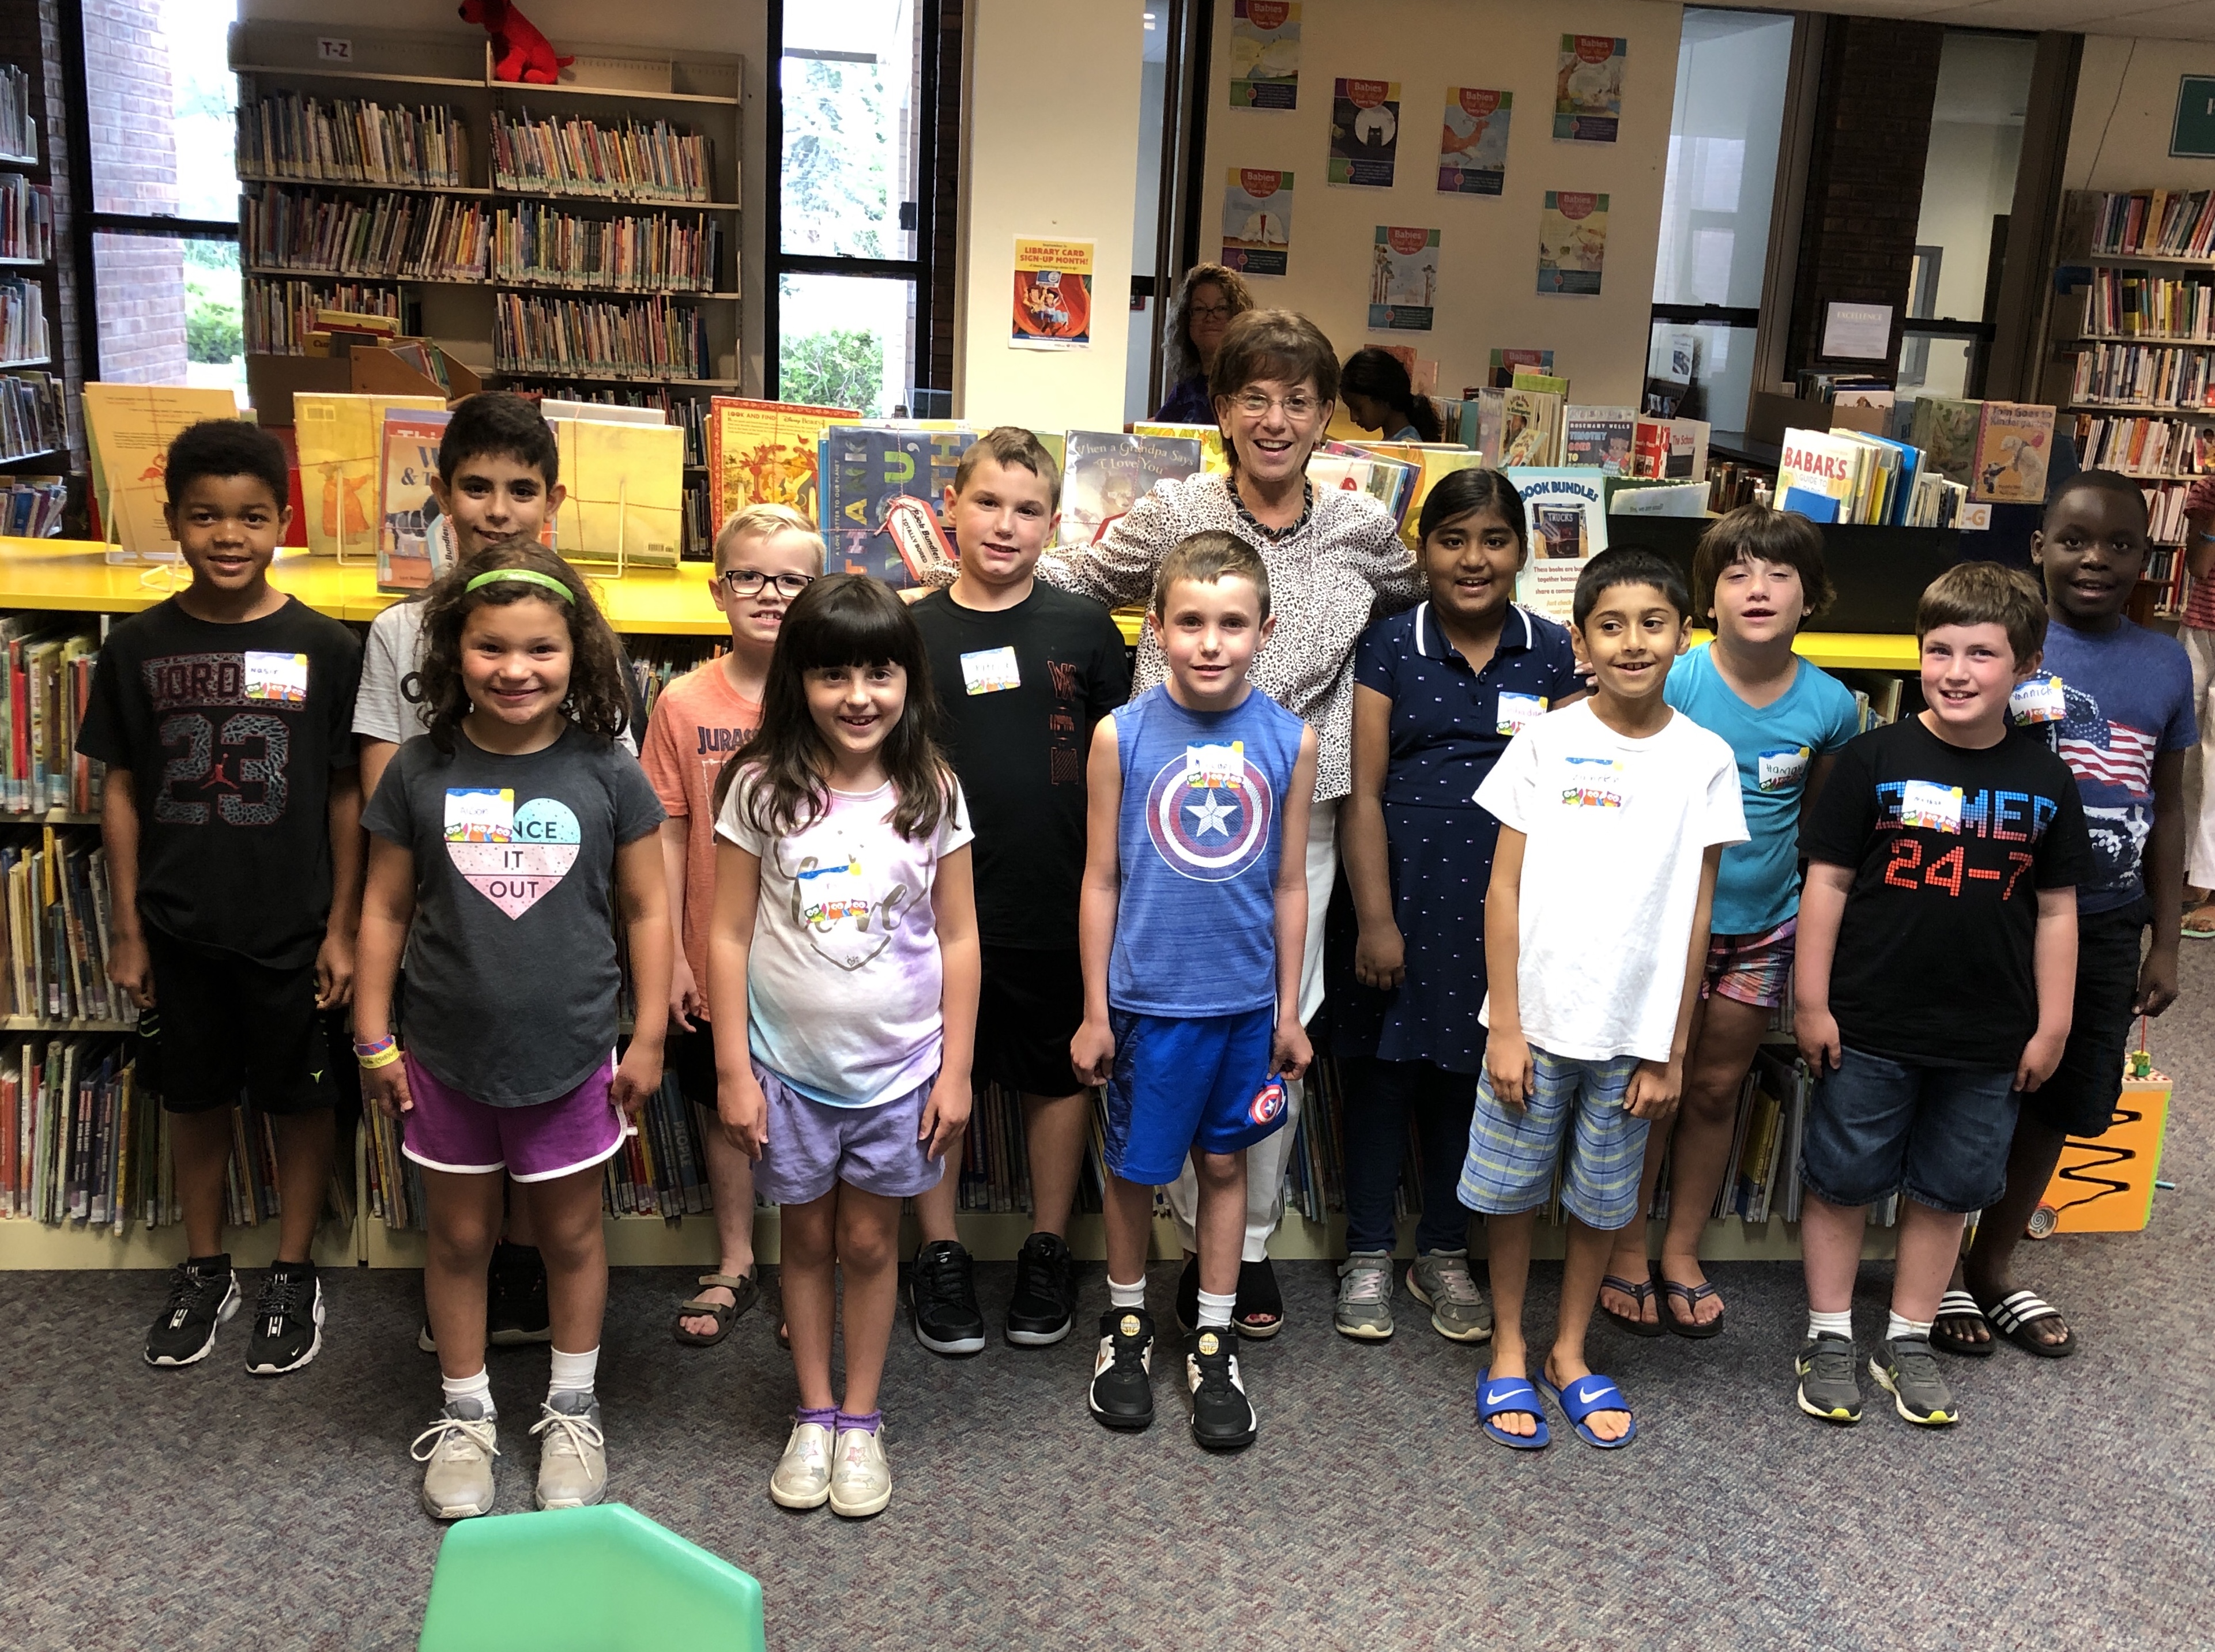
pixel 1512 1151
pixel 1754 969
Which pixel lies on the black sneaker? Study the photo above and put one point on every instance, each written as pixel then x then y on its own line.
pixel 202 1295
pixel 1122 1391
pixel 1039 1313
pixel 942 1291
pixel 288 1321
pixel 1222 1418
pixel 516 1310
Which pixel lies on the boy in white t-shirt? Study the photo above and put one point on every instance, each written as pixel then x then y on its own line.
pixel 1613 816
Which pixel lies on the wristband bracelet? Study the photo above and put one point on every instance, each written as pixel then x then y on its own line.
pixel 375 1044
pixel 382 1058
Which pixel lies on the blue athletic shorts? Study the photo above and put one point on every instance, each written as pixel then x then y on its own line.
pixel 1181 1084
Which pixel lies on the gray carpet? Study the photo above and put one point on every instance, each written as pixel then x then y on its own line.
pixel 202 1508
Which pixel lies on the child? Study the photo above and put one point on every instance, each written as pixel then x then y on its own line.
pixel 2115 701
pixel 2197 634
pixel 232 817
pixel 1023 672
pixel 1757 575
pixel 1194 914
pixel 1612 818
pixel 1937 949
pixel 765 556
pixel 505 836
pixel 1438 692
pixel 842 971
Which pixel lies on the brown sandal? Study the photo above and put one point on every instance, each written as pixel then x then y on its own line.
pixel 743 1287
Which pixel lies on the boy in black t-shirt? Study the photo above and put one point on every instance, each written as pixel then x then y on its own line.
pixel 1023 672
pixel 1936 965
pixel 232 819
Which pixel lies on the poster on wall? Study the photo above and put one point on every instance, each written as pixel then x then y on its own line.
pixel 1473 144
pixel 1588 88
pixel 1572 241
pixel 1053 295
pixel 1364 133
pixel 1404 279
pixel 1265 54
pixel 1257 221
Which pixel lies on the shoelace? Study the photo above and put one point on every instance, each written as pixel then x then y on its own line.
pixel 1366 1284
pixel 280 1294
pixel 941 1275
pixel 186 1290
pixel 481 1432
pixel 1456 1284
pixel 565 1432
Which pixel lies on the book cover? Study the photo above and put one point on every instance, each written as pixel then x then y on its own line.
pixel 1403 278
pixel 2015 440
pixel 1257 221
pixel 1340 465
pixel 1472 142
pixel 1688 449
pixel 1431 463
pixel 1364 133
pixel 1504 364
pixel 1819 475
pixel 1572 241
pixel 1600 437
pixel 1265 54
pixel 1946 430
pixel 339 436
pixel 1565 513
pixel 1212 459
pixel 1588 88
pixel 764 453
pixel 408 517
pixel 1105 472
pixel 1531 428
pixel 626 490
pixel 128 429
pixel 864 468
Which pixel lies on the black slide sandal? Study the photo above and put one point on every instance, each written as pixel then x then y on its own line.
pixel 1960 1304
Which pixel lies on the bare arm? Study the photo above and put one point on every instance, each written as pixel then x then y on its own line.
pixel 1507 1053
pixel 128 966
pixel 334 960
pixel 953 904
pixel 1656 1087
pixel 1092 1052
pixel 1380 955
pixel 1290 1053
pixel 685 998
pixel 387 906
pixel 646 924
pixel 739 1103
pixel 2053 969
pixel 2199 546
pixel 374 756
pixel 2164 885
pixel 1822 908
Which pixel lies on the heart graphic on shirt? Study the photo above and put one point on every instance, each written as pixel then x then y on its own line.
pixel 515 863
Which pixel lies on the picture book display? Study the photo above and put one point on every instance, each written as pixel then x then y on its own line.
pixel 1588 88
pixel 1566 517
pixel 128 429
pixel 1212 459
pixel 1265 54
pixel 1403 278
pixel 764 453
pixel 1820 476
pixel 626 490
pixel 1600 437
pixel 1257 221
pixel 1364 133
pixel 1472 142
pixel 1105 472
pixel 409 520
pixel 1572 241
pixel 1945 428
pixel 1053 295
pixel 1504 364
pixel 340 439
pixel 864 468
pixel 2013 442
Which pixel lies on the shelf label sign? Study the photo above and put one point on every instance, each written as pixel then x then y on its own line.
pixel 331 49
pixel 2193 134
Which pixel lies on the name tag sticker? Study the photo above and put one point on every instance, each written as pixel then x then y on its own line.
pixel 1938 808
pixel 1593 783
pixel 2038 700
pixel 1782 768
pixel 1207 768
pixel 989 670
pixel 480 814
pixel 282 678
pixel 1517 711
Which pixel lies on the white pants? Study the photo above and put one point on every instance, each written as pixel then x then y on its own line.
pixel 2198 764
pixel 1268 1159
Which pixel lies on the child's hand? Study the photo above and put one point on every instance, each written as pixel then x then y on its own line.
pixel 2039 1057
pixel 2156 983
pixel 387 1087
pixel 334 971
pixel 1655 1089
pixel 1508 1063
pixel 1380 957
pixel 685 998
pixel 945 1115
pixel 129 968
pixel 637 1077
pixel 1817 1032
pixel 1290 1052
pixel 1092 1052
pixel 743 1110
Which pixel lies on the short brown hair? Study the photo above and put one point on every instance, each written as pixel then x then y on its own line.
pixel 1181 359
pixel 763 520
pixel 1010 444
pixel 1754 533
pixel 1281 343
pixel 1207 557
pixel 1987 593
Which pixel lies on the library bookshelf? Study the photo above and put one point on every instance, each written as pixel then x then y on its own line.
pixel 34 423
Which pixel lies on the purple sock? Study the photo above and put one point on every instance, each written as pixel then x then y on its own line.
pixel 866 1422
pixel 824 1418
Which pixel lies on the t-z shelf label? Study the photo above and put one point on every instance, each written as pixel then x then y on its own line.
pixel 331 49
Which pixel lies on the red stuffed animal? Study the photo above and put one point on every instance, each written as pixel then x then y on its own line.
pixel 525 54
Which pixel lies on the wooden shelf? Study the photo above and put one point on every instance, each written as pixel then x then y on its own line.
pixel 46 817
pixel 21 161
pixel 282 273
pixel 2140 408
pixel 2161 338
pixel 505 371
pixel 2204 263
pixel 370 77
pixel 27 361
pixel 46 1024
pixel 39 453
pixel 25 263
pixel 660 202
pixel 25 1244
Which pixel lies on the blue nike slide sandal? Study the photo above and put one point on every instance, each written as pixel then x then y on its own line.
pixel 1581 1398
pixel 1509 1394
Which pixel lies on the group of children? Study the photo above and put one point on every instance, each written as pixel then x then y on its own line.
pixel 890 850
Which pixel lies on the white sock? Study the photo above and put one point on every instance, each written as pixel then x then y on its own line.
pixel 573 1372
pixel 1840 1323
pixel 1127 1296
pixel 1896 1327
pixel 478 1388
pixel 1216 1310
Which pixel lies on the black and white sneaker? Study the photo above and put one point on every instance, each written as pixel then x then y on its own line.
pixel 202 1295
pixel 516 1308
pixel 288 1321
pixel 1222 1418
pixel 943 1291
pixel 1045 1301
pixel 1122 1392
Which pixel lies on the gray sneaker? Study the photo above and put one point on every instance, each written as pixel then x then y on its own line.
pixel 1829 1387
pixel 1908 1370
pixel 456 1450
pixel 1441 1282
pixel 573 1453
pixel 1364 1296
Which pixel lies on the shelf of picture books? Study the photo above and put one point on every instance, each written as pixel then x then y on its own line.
pixel 1934 462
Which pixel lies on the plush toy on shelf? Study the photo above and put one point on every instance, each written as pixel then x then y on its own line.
pixel 524 56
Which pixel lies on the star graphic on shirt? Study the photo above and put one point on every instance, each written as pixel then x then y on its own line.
pixel 1210 816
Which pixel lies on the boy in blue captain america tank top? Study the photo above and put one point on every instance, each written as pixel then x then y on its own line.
pixel 1190 922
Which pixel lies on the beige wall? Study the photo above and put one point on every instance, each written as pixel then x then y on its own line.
pixel 1488 246
pixel 2125 109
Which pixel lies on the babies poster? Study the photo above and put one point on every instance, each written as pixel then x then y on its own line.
pixel 1473 144
pixel 1257 221
pixel 1265 54
pixel 1404 279
pixel 1053 295
pixel 1572 241
pixel 1364 133
pixel 1588 88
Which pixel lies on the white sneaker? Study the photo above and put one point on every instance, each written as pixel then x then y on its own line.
pixel 802 1479
pixel 573 1452
pixel 457 1450
pixel 861 1479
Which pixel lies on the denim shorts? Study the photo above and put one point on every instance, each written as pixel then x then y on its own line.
pixel 1512 1151
pixel 1939 1135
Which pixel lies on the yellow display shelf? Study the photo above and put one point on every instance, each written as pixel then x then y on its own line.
pixel 1850 651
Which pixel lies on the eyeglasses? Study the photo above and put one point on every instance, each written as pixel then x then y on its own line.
pixel 747 582
pixel 1211 312
pixel 1299 406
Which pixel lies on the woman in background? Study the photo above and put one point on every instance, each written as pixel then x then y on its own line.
pixel 1207 300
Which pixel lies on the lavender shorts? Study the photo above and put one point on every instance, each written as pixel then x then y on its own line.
pixel 447 1130
pixel 813 1148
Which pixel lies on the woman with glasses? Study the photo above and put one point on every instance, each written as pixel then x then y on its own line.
pixel 1208 299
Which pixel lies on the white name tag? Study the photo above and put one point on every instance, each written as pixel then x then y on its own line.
pixel 1783 769
pixel 1517 711
pixel 1927 804
pixel 1208 767
pixel 991 670
pixel 2038 700
pixel 281 677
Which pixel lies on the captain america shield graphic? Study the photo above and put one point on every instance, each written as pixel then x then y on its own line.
pixel 1209 812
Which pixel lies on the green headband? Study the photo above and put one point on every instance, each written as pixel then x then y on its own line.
pixel 529 576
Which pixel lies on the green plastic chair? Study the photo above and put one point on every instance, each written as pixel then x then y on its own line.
pixel 604 1579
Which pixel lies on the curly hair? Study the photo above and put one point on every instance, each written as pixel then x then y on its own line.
pixel 600 698
pixel 1178 356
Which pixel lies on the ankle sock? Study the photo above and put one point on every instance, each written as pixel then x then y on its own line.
pixel 573 1372
pixel 823 1416
pixel 866 1422
pixel 294 1270
pixel 478 1388
pixel 1840 1323
pixel 214 1264
pixel 1127 1296
pixel 1895 1328
pixel 1216 1310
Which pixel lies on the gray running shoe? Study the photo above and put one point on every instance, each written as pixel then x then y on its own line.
pixel 1908 1370
pixel 573 1453
pixel 1364 1296
pixel 1442 1282
pixel 1828 1385
pixel 457 1450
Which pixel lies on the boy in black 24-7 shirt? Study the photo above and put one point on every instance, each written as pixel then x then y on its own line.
pixel 1936 967
pixel 232 818
pixel 1023 673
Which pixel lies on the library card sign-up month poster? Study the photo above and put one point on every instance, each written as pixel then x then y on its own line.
pixel 1364 133
pixel 1572 241
pixel 1404 279
pixel 1473 143
pixel 1257 221
pixel 1588 88
pixel 1265 54
pixel 1053 295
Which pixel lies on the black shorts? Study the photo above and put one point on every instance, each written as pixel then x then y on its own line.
pixel 691 1057
pixel 1030 1007
pixel 224 1023
pixel 2079 1099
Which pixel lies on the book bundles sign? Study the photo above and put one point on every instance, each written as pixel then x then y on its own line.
pixel 1565 515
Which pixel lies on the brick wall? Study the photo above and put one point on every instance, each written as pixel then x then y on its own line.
pixel 1865 195
pixel 141 302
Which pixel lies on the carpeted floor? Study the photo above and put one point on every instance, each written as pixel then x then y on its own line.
pixel 202 1508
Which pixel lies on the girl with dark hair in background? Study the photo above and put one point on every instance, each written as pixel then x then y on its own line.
pixel 1380 396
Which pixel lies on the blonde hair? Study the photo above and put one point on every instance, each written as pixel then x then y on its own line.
pixel 760 521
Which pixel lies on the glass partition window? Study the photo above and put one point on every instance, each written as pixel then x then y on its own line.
pixel 1732 71
pixel 849 81
pixel 846 341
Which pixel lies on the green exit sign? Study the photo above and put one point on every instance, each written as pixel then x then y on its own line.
pixel 2194 134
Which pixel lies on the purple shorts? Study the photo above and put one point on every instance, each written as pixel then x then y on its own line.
pixel 813 1148
pixel 447 1130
